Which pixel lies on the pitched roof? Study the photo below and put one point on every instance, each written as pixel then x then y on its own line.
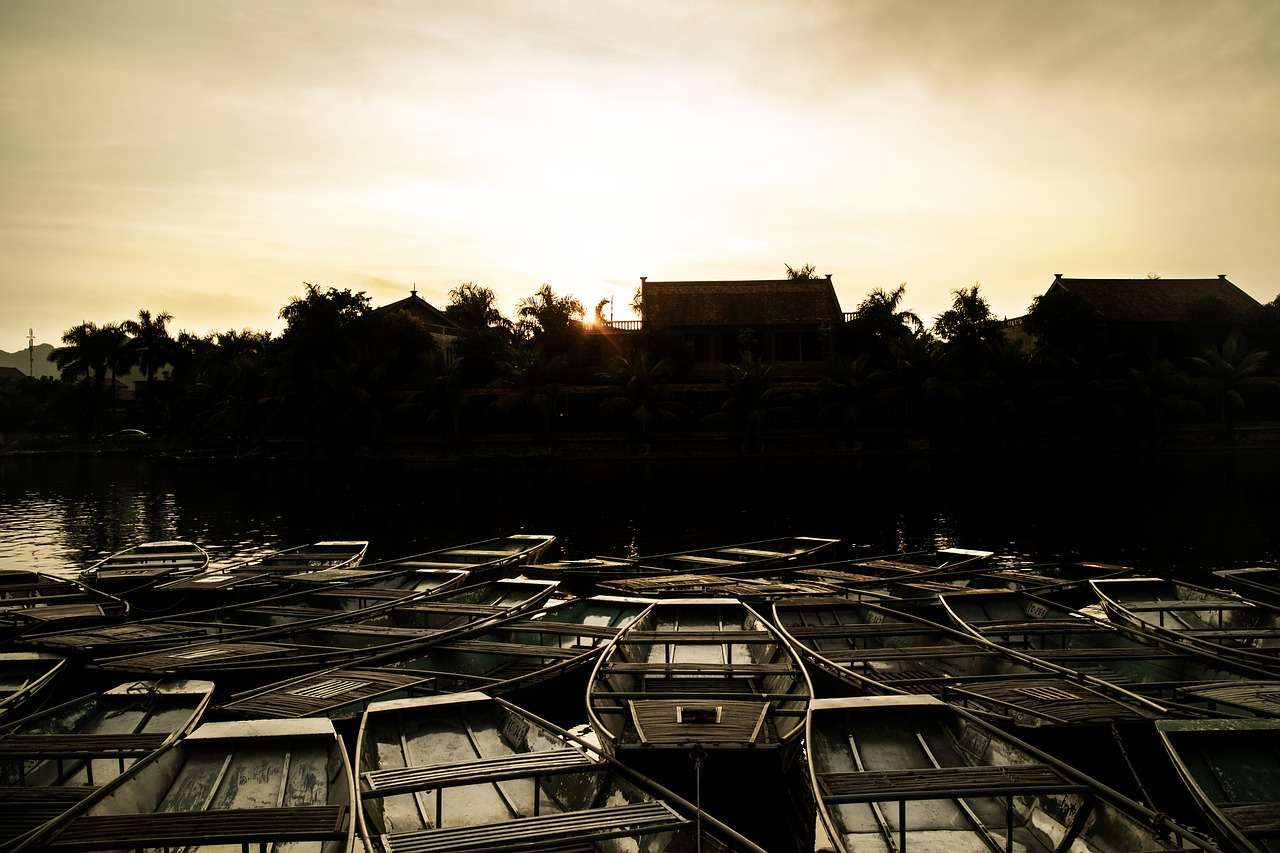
pixel 11 374
pixel 415 306
pixel 739 303
pixel 1152 300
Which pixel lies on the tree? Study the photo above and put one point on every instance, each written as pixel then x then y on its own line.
pixel 969 329
pixel 1065 323
pixel 642 393
pixel 808 272
pixel 473 306
pixel 531 379
pixel 1225 374
pixel 753 401
pixel 552 322
pixel 877 323
pixel 150 345
pixel 95 353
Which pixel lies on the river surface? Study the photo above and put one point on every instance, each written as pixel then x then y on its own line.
pixel 1182 514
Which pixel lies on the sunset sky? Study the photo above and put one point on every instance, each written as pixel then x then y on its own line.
pixel 207 157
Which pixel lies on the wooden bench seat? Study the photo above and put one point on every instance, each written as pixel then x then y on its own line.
pixel 727 670
pixel 696 637
pixel 944 783
pixel 1256 820
pixel 23 809
pixel 183 829
pixel 756 552
pixel 561 629
pixel 1185 606
pixel 541 833
pixel 80 745
pixel 404 780
pixel 491 647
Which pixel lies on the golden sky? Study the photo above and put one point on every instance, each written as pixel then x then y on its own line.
pixel 207 157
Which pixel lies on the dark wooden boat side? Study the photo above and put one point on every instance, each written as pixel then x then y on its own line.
pixel 894 773
pixel 514 654
pixel 469 772
pixel 1178 613
pixel 1232 767
pixel 280 780
pixel 52 760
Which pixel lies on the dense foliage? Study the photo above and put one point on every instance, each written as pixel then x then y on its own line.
pixel 343 376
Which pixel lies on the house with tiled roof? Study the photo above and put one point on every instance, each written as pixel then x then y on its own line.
pixel 444 330
pixel 786 322
pixel 1152 310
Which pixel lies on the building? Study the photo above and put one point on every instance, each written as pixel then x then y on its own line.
pixel 1151 311
pixel 444 330
pixel 787 322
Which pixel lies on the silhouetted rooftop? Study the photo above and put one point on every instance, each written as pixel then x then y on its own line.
pixel 1155 300
pixel 740 303
pixel 415 306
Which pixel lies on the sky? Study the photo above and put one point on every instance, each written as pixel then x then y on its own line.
pixel 210 157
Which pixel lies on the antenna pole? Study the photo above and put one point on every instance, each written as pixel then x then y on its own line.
pixel 31 353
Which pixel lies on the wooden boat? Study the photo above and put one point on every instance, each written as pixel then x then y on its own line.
pixel 264 571
pixel 26 680
pixel 699 694
pixel 144 565
pixel 1258 583
pixel 311 595
pixel 1178 613
pixel 51 760
pixel 469 772
pixel 246 784
pixel 486 559
pixel 903 773
pixel 35 602
pixel 1232 767
pixel 861 647
pixel 751 589
pixel 744 559
pixel 1047 631
pixel 280 612
pixel 515 654
pixel 245 664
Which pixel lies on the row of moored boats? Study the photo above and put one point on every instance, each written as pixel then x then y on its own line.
pixel 793 694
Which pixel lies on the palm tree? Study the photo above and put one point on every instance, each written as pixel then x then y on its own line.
pixel 918 378
pixel 553 322
pixel 842 390
pixel 753 402
pixel 150 345
pixel 531 381
pixel 969 329
pixel 642 393
pixel 877 323
pixel 1224 374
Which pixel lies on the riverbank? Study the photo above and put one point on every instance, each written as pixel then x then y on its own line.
pixel 524 449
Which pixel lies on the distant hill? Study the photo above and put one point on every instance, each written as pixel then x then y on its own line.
pixel 23 360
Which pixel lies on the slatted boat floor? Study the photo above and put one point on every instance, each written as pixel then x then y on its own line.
pixel 720 722
pixel 90 638
pixel 189 657
pixel 316 695
pixel 1261 697
pixel 1052 700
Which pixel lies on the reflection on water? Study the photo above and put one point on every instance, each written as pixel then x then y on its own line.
pixel 1180 513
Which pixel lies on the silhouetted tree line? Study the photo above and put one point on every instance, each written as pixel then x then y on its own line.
pixel 343 376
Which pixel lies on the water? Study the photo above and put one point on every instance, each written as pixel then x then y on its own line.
pixel 1183 514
